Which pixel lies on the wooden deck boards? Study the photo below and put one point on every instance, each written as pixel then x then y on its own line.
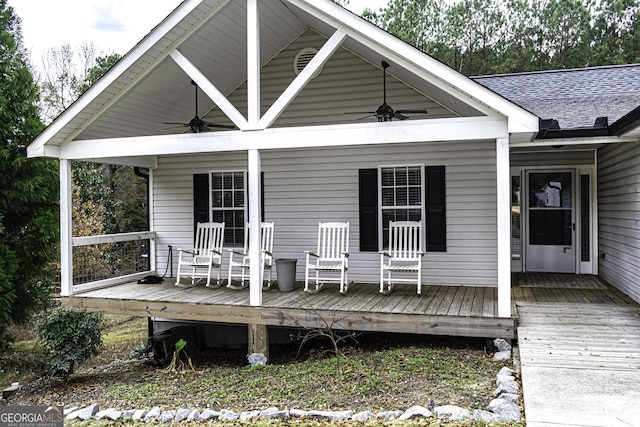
pixel 439 310
pixel 446 310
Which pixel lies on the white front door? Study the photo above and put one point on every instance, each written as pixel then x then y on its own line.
pixel 550 221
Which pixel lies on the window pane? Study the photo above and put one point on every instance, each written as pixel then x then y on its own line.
pixel 550 227
pixel 387 197
pixel 216 181
pixel 238 199
pixel 402 215
pixel 414 176
pixel 550 190
pixel 415 196
pixel 414 215
pixel 401 176
pixel 228 181
pixel 401 197
pixel 228 199
pixel 218 216
pixel 387 177
pixel 217 199
pixel 515 217
pixel 239 181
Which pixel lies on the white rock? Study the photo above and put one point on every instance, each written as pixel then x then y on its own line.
pixel 501 344
pixel 193 415
pixel 138 415
pixel 248 415
pixel 298 413
pixel 363 416
pixel 331 415
pixel 227 415
pixel 257 359
pixel 152 414
pixel 182 414
pixel 451 412
pixel 502 356
pixel 507 387
pixel 389 415
pixel 507 371
pixel 490 417
pixel 416 411
pixel 111 413
pixel 128 414
pixel 167 416
pixel 207 415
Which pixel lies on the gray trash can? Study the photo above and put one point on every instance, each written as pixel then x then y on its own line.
pixel 286 272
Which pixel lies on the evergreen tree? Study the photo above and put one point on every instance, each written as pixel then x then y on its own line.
pixel 28 187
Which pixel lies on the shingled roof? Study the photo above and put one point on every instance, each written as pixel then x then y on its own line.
pixel 575 98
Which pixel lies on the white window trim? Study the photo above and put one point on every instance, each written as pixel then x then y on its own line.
pixel 422 199
pixel 246 196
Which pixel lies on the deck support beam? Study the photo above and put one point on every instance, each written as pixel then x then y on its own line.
pixel 503 184
pixel 259 339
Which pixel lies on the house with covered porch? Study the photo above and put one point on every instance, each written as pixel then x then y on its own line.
pixel 290 92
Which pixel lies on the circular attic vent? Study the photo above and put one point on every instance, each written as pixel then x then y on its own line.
pixel 303 57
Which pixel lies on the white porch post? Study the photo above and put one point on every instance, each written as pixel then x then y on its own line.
pixel 66 244
pixel 253 64
pixel 504 227
pixel 255 272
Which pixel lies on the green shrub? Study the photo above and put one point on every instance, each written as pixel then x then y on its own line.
pixel 70 337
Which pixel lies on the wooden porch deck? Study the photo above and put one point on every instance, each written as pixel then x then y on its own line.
pixel 439 310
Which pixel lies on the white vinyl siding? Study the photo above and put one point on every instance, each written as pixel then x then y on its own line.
pixel 303 187
pixel 619 216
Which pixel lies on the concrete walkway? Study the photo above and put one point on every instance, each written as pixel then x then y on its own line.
pixel 580 363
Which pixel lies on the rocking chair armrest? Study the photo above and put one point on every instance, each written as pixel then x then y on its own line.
pixel 385 253
pixel 237 252
pixel 313 254
pixel 188 251
pixel 217 252
pixel 266 252
pixel 345 254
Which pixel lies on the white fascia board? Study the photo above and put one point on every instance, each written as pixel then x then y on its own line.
pixel 420 64
pixel 209 88
pixel 573 141
pixel 302 79
pixel 150 162
pixel 456 129
pixel 42 150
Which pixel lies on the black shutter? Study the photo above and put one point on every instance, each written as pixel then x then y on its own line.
pixel 436 209
pixel 368 194
pixel 200 199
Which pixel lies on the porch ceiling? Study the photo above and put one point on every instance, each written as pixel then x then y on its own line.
pixel 147 89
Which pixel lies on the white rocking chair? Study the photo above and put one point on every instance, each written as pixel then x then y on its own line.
pixel 332 256
pixel 241 260
pixel 205 256
pixel 404 255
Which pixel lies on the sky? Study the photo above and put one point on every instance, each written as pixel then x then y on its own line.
pixel 113 26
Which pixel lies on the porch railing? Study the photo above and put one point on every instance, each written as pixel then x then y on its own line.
pixel 111 259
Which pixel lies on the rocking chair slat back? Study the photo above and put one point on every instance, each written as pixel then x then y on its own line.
pixel 333 240
pixel 405 240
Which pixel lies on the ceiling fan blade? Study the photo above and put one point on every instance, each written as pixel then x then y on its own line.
pixel 177 124
pixel 215 125
pixel 412 111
